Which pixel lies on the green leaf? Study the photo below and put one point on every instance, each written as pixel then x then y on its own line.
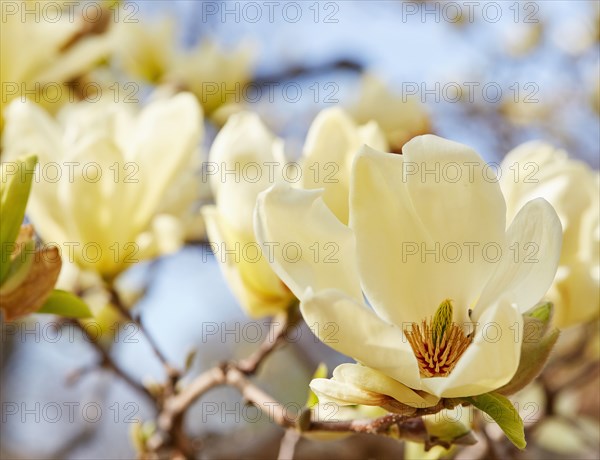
pixel 64 303
pixel 15 185
pixel 19 268
pixel 504 414
pixel 320 373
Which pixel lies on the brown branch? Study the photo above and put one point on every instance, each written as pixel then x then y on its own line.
pixel 278 329
pixel 379 425
pixel 116 301
pixel 106 362
pixel 289 441
pixel 176 404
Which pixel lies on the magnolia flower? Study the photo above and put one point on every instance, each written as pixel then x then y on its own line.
pixel 104 171
pixel 401 117
pixel 428 247
pixel 537 169
pixel 40 54
pixel 214 75
pixel 245 160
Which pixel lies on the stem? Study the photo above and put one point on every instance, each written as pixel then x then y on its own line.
pixel 288 444
pixel 276 337
pixel 106 362
pixel 115 300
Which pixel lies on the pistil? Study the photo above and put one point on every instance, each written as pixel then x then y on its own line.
pixel 438 344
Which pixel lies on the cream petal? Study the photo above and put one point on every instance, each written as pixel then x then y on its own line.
pixel 577 295
pixel 382 218
pixel 352 329
pixel 257 288
pixel 245 159
pixel 343 393
pixel 30 130
pixel 374 381
pixel 163 143
pixel 492 358
pixel 420 238
pixel 331 144
pixel 530 258
pixel 459 206
pixel 98 215
pixel 80 59
pixel 537 169
pixel 304 242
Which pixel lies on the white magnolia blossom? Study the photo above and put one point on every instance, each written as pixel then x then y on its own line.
pixel 37 53
pixel 104 172
pixel 537 169
pixel 431 254
pixel 255 160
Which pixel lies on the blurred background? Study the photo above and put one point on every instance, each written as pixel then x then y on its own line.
pixel 498 74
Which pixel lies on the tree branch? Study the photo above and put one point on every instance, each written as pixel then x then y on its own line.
pixel 106 362
pixel 115 300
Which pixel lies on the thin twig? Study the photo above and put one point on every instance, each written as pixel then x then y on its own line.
pixel 289 441
pixel 115 300
pixel 106 362
pixel 276 336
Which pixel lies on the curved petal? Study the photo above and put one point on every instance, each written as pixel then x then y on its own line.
pixel 163 143
pixel 382 218
pixel 98 215
pixel 492 358
pixel 332 141
pixel 344 393
pixel 530 259
pixel 30 130
pixel 304 242
pixel 256 287
pixel 244 160
pixel 421 219
pixel 352 329
pixel 374 381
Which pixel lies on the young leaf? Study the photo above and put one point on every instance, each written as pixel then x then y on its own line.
pixel 64 303
pixel 15 184
pixel 504 414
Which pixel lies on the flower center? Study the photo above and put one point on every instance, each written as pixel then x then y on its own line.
pixel 439 343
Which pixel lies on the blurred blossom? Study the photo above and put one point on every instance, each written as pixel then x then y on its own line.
pixel 332 143
pixel 522 38
pixel 105 172
pixel 573 189
pixel 419 303
pixel 577 35
pixel 41 56
pixel 246 147
pixel 523 112
pixel 244 141
pixel 400 116
pixel 214 75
